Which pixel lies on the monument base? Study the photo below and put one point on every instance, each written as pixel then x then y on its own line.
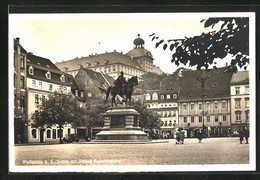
pixel 121 125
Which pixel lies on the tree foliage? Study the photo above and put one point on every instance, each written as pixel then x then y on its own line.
pixel 232 38
pixel 58 109
pixel 147 119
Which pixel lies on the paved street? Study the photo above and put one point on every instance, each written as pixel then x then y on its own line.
pixel 210 151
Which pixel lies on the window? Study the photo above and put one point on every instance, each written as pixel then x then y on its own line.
pixel 68 130
pixel 224 105
pixel 208 106
pixel 48 75
pixel 148 97
pixel 40 85
pixel 216 118
pixel 185 119
pixel 191 106
pixel 224 117
pixel 86 82
pixel 82 94
pixel 48 133
pixel 50 87
pixel 31 70
pixel 200 106
pixel 247 102
pixel 247 115
pixel 168 96
pixel 22 62
pixel 62 78
pixel 238 115
pixel 247 89
pixel 174 96
pixel 54 134
pixel 60 133
pixel 22 82
pixel 36 98
pixel 76 93
pixel 237 90
pixel 165 123
pixel 155 96
pixel 89 94
pixel 215 105
pixel 192 119
pixel 65 89
pixel 34 133
pixel 185 106
pixel 208 118
pixel 200 118
pixel 33 83
pixel 237 103
pixel 162 96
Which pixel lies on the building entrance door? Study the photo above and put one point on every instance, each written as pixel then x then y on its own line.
pixel 41 135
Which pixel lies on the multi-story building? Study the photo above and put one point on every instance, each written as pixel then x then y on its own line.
pixel 239 90
pixel 164 103
pixel 134 63
pixel 20 97
pixel 43 78
pixel 204 101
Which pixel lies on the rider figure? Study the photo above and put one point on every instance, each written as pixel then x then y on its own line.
pixel 120 82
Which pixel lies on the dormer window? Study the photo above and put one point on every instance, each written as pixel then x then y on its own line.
pixel 174 96
pixel 162 96
pixel 82 94
pixel 76 93
pixel 48 75
pixel 62 78
pixel 31 70
pixel 148 97
pixel 168 96
pixel 47 66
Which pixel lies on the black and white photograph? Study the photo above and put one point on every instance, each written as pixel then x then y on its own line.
pixel 132 92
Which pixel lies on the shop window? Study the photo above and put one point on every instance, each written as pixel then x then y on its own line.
pixel 34 133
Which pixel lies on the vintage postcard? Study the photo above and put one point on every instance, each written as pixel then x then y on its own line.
pixel 132 92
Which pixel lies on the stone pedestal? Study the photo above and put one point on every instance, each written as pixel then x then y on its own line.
pixel 121 124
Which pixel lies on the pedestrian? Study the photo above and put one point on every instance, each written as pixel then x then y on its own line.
pixel 178 137
pixel 246 134
pixel 182 136
pixel 241 135
pixel 200 135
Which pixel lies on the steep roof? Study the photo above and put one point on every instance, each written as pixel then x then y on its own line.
pixel 240 77
pixel 103 59
pixel 41 67
pixel 216 86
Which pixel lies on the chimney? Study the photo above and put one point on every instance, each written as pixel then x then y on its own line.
pixel 17 40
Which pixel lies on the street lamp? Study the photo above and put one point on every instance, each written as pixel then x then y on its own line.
pixel 203 78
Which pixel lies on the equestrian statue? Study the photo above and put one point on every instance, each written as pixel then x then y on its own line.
pixel 122 88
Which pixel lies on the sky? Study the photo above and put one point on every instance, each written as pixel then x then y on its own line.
pixel 66 36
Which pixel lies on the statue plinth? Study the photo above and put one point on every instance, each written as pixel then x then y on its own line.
pixel 121 124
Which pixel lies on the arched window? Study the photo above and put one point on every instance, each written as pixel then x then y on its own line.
pixel 162 96
pixel 48 75
pixel 48 133
pixel 155 96
pixel 31 70
pixel 34 133
pixel 174 96
pixel 148 97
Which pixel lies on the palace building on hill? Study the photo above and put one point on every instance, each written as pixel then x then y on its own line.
pixel 134 63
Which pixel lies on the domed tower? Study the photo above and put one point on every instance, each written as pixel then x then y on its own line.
pixel 141 55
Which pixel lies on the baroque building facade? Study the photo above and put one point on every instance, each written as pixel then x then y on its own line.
pixel 239 90
pixel 134 63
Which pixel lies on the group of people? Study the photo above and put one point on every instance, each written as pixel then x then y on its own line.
pixel 243 133
pixel 180 136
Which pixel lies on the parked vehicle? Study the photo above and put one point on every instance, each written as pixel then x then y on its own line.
pixel 69 138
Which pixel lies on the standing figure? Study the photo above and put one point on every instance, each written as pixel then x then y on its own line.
pixel 120 83
pixel 178 137
pixel 182 136
pixel 200 135
pixel 241 135
pixel 246 134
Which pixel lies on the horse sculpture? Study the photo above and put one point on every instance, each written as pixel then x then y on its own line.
pixel 127 90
